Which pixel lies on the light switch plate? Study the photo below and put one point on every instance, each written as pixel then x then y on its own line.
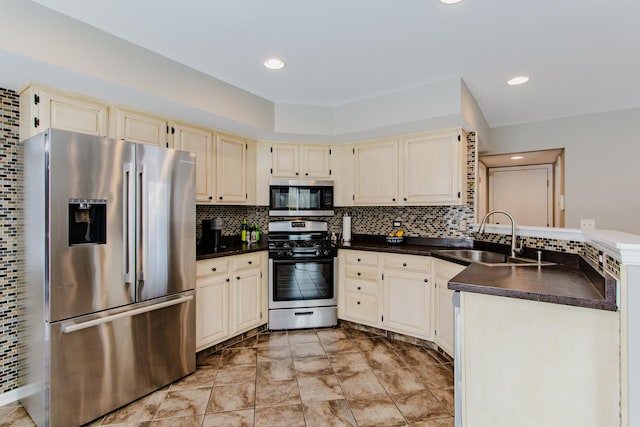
pixel 397 223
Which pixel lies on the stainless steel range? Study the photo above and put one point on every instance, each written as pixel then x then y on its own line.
pixel 302 275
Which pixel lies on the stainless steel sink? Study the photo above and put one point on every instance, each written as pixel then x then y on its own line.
pixel 489 258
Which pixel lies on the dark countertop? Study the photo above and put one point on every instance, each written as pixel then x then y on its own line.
pixel 230 247
pixel 574 280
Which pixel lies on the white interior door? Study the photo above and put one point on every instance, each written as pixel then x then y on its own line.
pixel 524 191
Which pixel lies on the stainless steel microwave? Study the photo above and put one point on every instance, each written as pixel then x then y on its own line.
pixel 300 197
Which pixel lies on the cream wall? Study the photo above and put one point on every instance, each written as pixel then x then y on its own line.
pixel 602 169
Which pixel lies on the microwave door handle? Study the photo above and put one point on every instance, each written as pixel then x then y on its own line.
pixel 128 223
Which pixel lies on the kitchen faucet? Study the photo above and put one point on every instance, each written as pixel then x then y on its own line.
pixel 514 249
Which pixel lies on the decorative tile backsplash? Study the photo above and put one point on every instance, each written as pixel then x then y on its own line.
pixel 11 244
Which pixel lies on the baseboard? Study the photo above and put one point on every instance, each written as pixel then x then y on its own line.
pixel 13 395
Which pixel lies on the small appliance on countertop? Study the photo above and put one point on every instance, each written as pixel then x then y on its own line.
pixel 212 234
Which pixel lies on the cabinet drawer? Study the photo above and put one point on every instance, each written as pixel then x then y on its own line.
pixel 408 263
pixel 361 307
pixel 361 287
pixel 362 258
pixel 364 273
pixel 212 266
pixel 247 261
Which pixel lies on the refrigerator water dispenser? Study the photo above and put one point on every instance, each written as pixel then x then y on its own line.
pixel 87 221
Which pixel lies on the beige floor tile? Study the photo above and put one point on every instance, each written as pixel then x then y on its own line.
pixel 285 416
pixel 272 339
pixel 277 393
pixel 330 413
pixel 339 346
pixel 190 421
pixel 324 387
pixel 366 344
pixel 344 363
pixel 210 360
pixel 235 374
pixel 445 396
pixel 299 337
pixel 312 366
pixel 230 419
pixel 278 370
pixel 399 381
pixel 238 356
pixel 382 358
pixel 183 403
pixel 141 410
pixel 361 384
pixel 202 377
pixel 232 397
pixel 328 335
pixel 415 356
pixel 420 406
pixel 271 353
pixel 378 411
pixel 17 417
pixel 434 376
pixel 307 349
pixel 246 343
pixel 441 422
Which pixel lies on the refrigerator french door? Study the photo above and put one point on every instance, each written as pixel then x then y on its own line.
pixel 107 311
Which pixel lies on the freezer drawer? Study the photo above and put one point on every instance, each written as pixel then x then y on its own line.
pixel 99 363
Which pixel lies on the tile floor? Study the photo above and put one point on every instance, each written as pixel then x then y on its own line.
pixel 325 377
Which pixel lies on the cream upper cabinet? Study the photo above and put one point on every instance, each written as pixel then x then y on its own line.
pixel 300 161
pixel 376 172
pixel 407 295
pixel 231 169
pixel 342 158
pixel 434 168
pixel 140 127
pixel 43 108
pixel 423 169
pixel 443 304
pixel 199 141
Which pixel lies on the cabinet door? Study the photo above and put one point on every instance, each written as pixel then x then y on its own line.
pixel 212 315
pixel 246 303
pixel 361 307
pixel 71 113
pixel 141 128
pixel 284 160
pixel 199 141
pixel 376 173
pixel 407 302
pixel 316 161
pixel 231 169
pixel 443 307
pixel 432 169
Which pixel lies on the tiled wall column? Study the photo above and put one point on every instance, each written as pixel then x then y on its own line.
pixel 10 238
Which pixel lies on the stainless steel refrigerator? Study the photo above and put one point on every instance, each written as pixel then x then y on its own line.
pixel 107 311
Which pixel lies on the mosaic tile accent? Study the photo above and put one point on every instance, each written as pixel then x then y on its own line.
pixel 567 246
pixel 11 244
pixel 612 266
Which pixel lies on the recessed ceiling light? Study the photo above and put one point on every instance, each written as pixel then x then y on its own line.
pixel 518 80
pixel 450 1
pixel 274 64
pixel 516 157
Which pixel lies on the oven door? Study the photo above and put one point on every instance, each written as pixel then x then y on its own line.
pixel 302 283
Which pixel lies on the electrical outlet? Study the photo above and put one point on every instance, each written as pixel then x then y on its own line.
pixel 462 225
pixel 588 224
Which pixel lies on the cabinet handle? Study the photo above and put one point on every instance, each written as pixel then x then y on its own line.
pixel 426 280
pixel 359 288
pixel 404 264
pixel 210 197
pixel 306 174
pixel 228 280
pixel 405 199
pixel 238 278
pixel 250 262
pixel 393 200
pixel 358 302
pixel 213 269
pixel 358 259
pixel 358 273
pixel 220 198
pixel 297 174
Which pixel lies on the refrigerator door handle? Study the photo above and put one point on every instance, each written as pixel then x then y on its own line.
pixel 143 223
pixel 129 223
pixel 73 327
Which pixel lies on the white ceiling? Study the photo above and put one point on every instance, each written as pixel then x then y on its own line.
pixel 582 55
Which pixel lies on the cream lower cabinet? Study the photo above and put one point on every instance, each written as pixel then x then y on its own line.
pixel 443 304
pixel 358 288
pixel 406 295
pixel 231 297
